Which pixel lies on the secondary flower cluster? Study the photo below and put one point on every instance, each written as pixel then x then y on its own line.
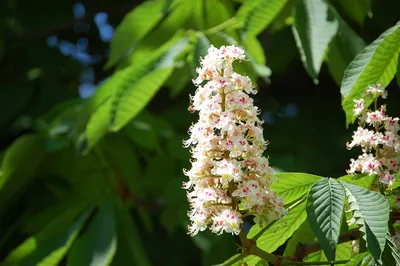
pixel 381 144
pixel 229 177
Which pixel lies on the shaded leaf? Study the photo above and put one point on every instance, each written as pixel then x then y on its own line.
pixel 325 204
pixel 391 254
pixel 49 246
pixel 18 167
pixel 343 49
pixel 130 248
pixel 375 64
pixel 314 27
pixel 356 10
pixel 97 246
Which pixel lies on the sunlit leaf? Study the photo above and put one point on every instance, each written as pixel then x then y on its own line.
pixel 292 186
pixel 256 15
pixel 282 230
pixel 375 64
pixel 134 27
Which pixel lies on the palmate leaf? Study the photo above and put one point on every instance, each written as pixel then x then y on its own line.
pixel 128 91
pixel 292 186
pixel 98 244
pixel 376 63
pixel 371 212
pixel 281 231
pixel 325 210
pixel 256 15
pixel 49 246
pixel 314 27
pixel 343 49
pixel 134 27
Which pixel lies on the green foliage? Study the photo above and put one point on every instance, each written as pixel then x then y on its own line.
pixel 292 186
pixel 343 49
pixel 281 231
pixel 325 204
pixel 129 90
pixel 375 64
pixel 314 27
pixel 97 181
pixel 357 259
pixel 143 20
pixel 97 245
pixel 18 167
pixel 372 218
pixel 49 246
pixel 256 15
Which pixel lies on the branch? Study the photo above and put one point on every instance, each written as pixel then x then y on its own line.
pixel 279 260
pixel 304 250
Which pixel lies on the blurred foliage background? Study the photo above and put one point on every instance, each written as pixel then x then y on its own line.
pixel 93 111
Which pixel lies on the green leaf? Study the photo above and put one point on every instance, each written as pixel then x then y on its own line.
pixel 255 53
pixel 343 49
pixel 282 230
pixel 256 15
pixel 391 254
pixel 396 183
pixel 49 246
pixel 361 180
pixel 235 260
pixel 201 49
pixel 18 167
pixel 134 27
pixel 357 10
pixel 292 186
pixel 97 246
pixel 343 252
pixel 303 235
pixel 376 63
pixel 325 204
pixel 314 27
pixel 398 71
pixel 357 259
pixel 143 134
pixel 130 248
pixel 371 211
pixel 128 91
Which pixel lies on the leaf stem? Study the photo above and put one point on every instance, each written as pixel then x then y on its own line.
pixel 221 26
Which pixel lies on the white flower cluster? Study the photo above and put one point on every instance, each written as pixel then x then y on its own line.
pixel 229 177
pixel 381 144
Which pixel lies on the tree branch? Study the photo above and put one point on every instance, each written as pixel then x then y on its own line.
pixel 303 250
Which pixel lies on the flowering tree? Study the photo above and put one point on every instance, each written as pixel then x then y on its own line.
pixel 91 174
